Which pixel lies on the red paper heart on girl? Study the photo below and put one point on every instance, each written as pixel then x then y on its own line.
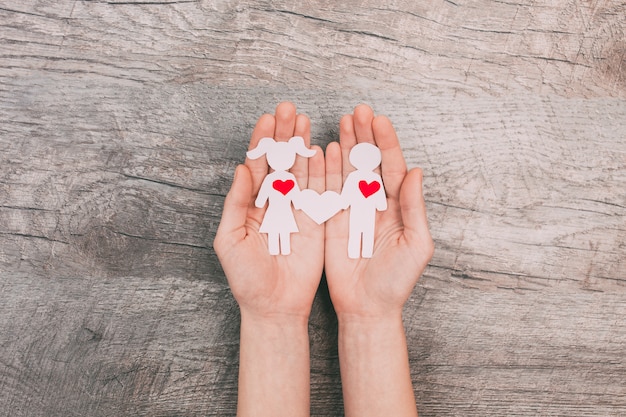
pixel 283 186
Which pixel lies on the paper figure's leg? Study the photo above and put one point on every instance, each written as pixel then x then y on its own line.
pixel 354 234
pixel 272 243
pixel 285 243
pixel 354 245
pixel 367 248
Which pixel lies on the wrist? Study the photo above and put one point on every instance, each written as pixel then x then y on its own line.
pixel 374 363
pixel 278 337
pixel 284 320
pixel 370 319
pixel 274 365
pixel 370 333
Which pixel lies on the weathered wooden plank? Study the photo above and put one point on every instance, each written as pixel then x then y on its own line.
pixel 478 47
pixel 84 346
pixel 121 124
pixel 558 353
pixel 126 186
pixel 130 207
pixel 131 346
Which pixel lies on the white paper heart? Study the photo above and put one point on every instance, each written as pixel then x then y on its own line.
pixel 320 207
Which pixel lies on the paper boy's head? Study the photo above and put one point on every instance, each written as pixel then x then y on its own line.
pixel 365 156
pixel 281 155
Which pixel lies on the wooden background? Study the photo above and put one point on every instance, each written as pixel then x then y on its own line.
pixel 121 123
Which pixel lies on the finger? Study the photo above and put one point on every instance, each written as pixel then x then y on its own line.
pixel 301 167
pixel 393 166
pixel 363 117
pixel 258 167
pixel 232 226
pixel 336 226
pixel 347 139
pixel 317 171
pixel 285 121
pixel 413 209
pixel 334 178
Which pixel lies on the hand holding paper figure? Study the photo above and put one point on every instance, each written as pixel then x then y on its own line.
pixel 386 208
pixel 268 181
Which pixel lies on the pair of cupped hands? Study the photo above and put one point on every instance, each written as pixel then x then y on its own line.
pixel 277 287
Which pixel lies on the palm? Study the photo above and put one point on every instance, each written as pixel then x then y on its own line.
pixel 375 285
pixel 271 284
pixel 265 284
pixel 372 285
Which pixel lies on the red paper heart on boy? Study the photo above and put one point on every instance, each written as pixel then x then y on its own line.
pixel 367 189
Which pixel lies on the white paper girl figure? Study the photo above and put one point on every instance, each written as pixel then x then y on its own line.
pixel 279 189
pixel 363 192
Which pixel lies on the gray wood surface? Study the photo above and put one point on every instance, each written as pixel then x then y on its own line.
pixel 121 123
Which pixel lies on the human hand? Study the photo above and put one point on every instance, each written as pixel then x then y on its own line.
pixel 267 286
pixel 380 285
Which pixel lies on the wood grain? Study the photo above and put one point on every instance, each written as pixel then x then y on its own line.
pixel 568 48
pixel 121 123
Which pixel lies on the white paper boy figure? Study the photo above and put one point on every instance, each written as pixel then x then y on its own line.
pixel 280 190
pixel 363 192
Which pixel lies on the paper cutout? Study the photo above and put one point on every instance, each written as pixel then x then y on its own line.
pixel 320 207
pixel 364 193
pixel 279 189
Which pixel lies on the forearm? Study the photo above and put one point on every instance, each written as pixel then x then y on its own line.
pixel 274 376
pixel 374 366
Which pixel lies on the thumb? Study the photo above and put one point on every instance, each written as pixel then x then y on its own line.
pixel 232 226
pixel 413 209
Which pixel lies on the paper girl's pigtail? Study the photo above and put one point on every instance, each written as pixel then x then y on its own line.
pixel 261 149
pixel 297 144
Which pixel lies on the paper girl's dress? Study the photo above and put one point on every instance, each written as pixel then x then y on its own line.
pixel 279 188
